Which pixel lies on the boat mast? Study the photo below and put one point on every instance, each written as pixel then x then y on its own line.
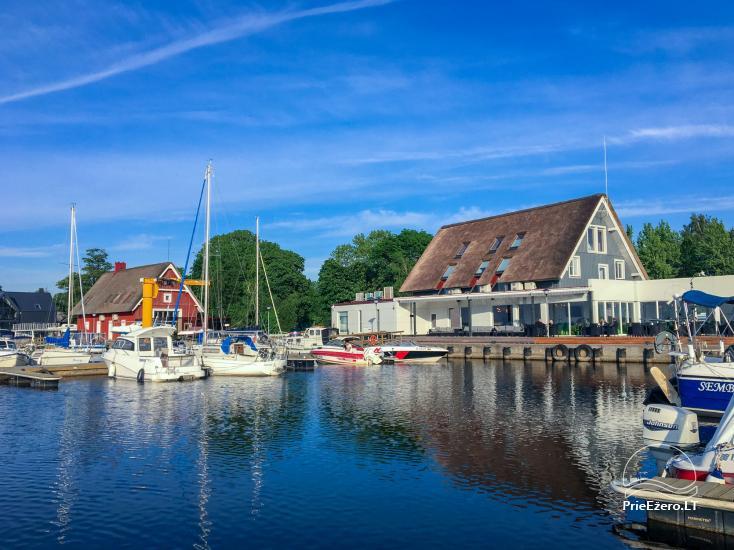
pixel 70 299
pixel 206 250
pixel 257 271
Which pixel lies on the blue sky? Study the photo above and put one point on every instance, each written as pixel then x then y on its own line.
pixel 328 119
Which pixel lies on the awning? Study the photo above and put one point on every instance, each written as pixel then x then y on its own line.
pixel 700 298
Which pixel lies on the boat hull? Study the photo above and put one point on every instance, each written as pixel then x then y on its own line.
pixel 336 357
pixel 179 369
pixel 706 387
pixel 414 356
pixel 243 366
pixel 57 357
pixel 13 359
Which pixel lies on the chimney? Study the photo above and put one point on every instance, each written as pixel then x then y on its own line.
pixel 120 266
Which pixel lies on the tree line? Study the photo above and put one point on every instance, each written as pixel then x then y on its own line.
pixel 702 246
pixel 383 258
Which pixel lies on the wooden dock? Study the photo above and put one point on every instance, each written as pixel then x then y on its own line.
pixel 22 376
pixel 701 505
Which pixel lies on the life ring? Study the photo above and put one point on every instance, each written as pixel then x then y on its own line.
pixel 583 353
pixel 141 376
pixel 372 339
pixel 559 352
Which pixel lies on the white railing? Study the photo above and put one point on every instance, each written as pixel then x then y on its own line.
pixel 30 327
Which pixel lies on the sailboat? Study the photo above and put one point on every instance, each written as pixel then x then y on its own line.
pixel 235 356
pixel 68 350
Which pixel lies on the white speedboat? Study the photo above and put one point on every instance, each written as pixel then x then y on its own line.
pixel 148 354
pixel 10 356
pixel 410 352
pixel 239 356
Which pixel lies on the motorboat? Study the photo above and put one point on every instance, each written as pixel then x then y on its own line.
pixel 311 338
pixel 703 379
pixel 239 356
pixel 148 354
pixel 10 356
pixel 410 352
pixel 341 351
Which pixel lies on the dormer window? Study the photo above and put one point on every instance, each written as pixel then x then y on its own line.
pixel 518 241
pixel 462 249
pixel 504 264
pixel 449 270
pixel 495 244
pixel 482 268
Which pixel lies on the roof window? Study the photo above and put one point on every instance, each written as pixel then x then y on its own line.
pixel 518 241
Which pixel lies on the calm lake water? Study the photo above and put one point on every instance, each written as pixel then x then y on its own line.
pixel 393 456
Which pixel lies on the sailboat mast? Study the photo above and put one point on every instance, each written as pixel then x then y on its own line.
pixel 257 271
pixel 70 299
pixel 206 250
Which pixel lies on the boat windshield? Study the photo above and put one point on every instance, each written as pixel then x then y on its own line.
pixel 335 343
pixel 160 344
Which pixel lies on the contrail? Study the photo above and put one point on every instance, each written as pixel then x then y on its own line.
pixel 243 26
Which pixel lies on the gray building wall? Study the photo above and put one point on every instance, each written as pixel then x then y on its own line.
pixel 590 261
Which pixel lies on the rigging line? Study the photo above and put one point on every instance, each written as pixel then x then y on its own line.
pixel 188 256
pixel 240 261
pixel 270 292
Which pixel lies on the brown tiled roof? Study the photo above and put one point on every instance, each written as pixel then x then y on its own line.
pixel 551 235
pixel 118 291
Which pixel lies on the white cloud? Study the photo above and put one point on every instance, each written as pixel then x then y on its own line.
pixel 674 205
pixel 672 133
pixel 29 252
pixel 223 32
pixel 141 241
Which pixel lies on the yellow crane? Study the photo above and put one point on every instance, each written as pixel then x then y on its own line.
pixel 150 291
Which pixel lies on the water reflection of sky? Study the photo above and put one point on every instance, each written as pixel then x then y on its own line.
pixel 387 456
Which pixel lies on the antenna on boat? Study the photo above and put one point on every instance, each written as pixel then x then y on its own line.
pixel 606 180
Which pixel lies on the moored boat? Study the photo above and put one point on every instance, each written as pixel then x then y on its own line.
pixel 341 351
pixel 410 352
pixel 9 354
pixel 239 356
pixel 148 354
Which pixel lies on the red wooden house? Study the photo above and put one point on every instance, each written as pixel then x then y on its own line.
pixel 116 300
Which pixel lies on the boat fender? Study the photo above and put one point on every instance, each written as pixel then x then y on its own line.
pixel 559 352
pixel 583 353
pixel 141 376
pixel 729 354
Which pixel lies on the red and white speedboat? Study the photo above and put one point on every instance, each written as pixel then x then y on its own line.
pixel 716 462
pixel 343 352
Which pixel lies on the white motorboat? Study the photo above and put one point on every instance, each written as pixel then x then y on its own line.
pixel 10 356
pixel 311 338
pixel 148 354
pixel 239 356
pixel 410 352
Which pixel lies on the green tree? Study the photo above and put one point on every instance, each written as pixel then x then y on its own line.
pixel 94 264
pixel 232 275
pixel 370 262
pixel 706 246
pixel 659 249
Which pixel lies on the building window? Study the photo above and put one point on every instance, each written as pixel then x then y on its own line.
pixel 574 268
pixel 619 269
pixel 167 297
pixel 518 241
pixel 503 265
pixel 481 269
pixel 433 320
pixel 449 270
pixel 603 271
pixel 344 322
pixel 461 250
pixel 495 244
pixel 596 239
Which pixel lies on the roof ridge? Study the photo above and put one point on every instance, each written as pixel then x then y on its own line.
pixel 598 196
pixel 140 267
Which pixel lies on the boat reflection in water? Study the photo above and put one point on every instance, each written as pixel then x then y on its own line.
pixel 388 456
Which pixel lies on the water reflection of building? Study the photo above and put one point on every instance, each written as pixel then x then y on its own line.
pixel 555 434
